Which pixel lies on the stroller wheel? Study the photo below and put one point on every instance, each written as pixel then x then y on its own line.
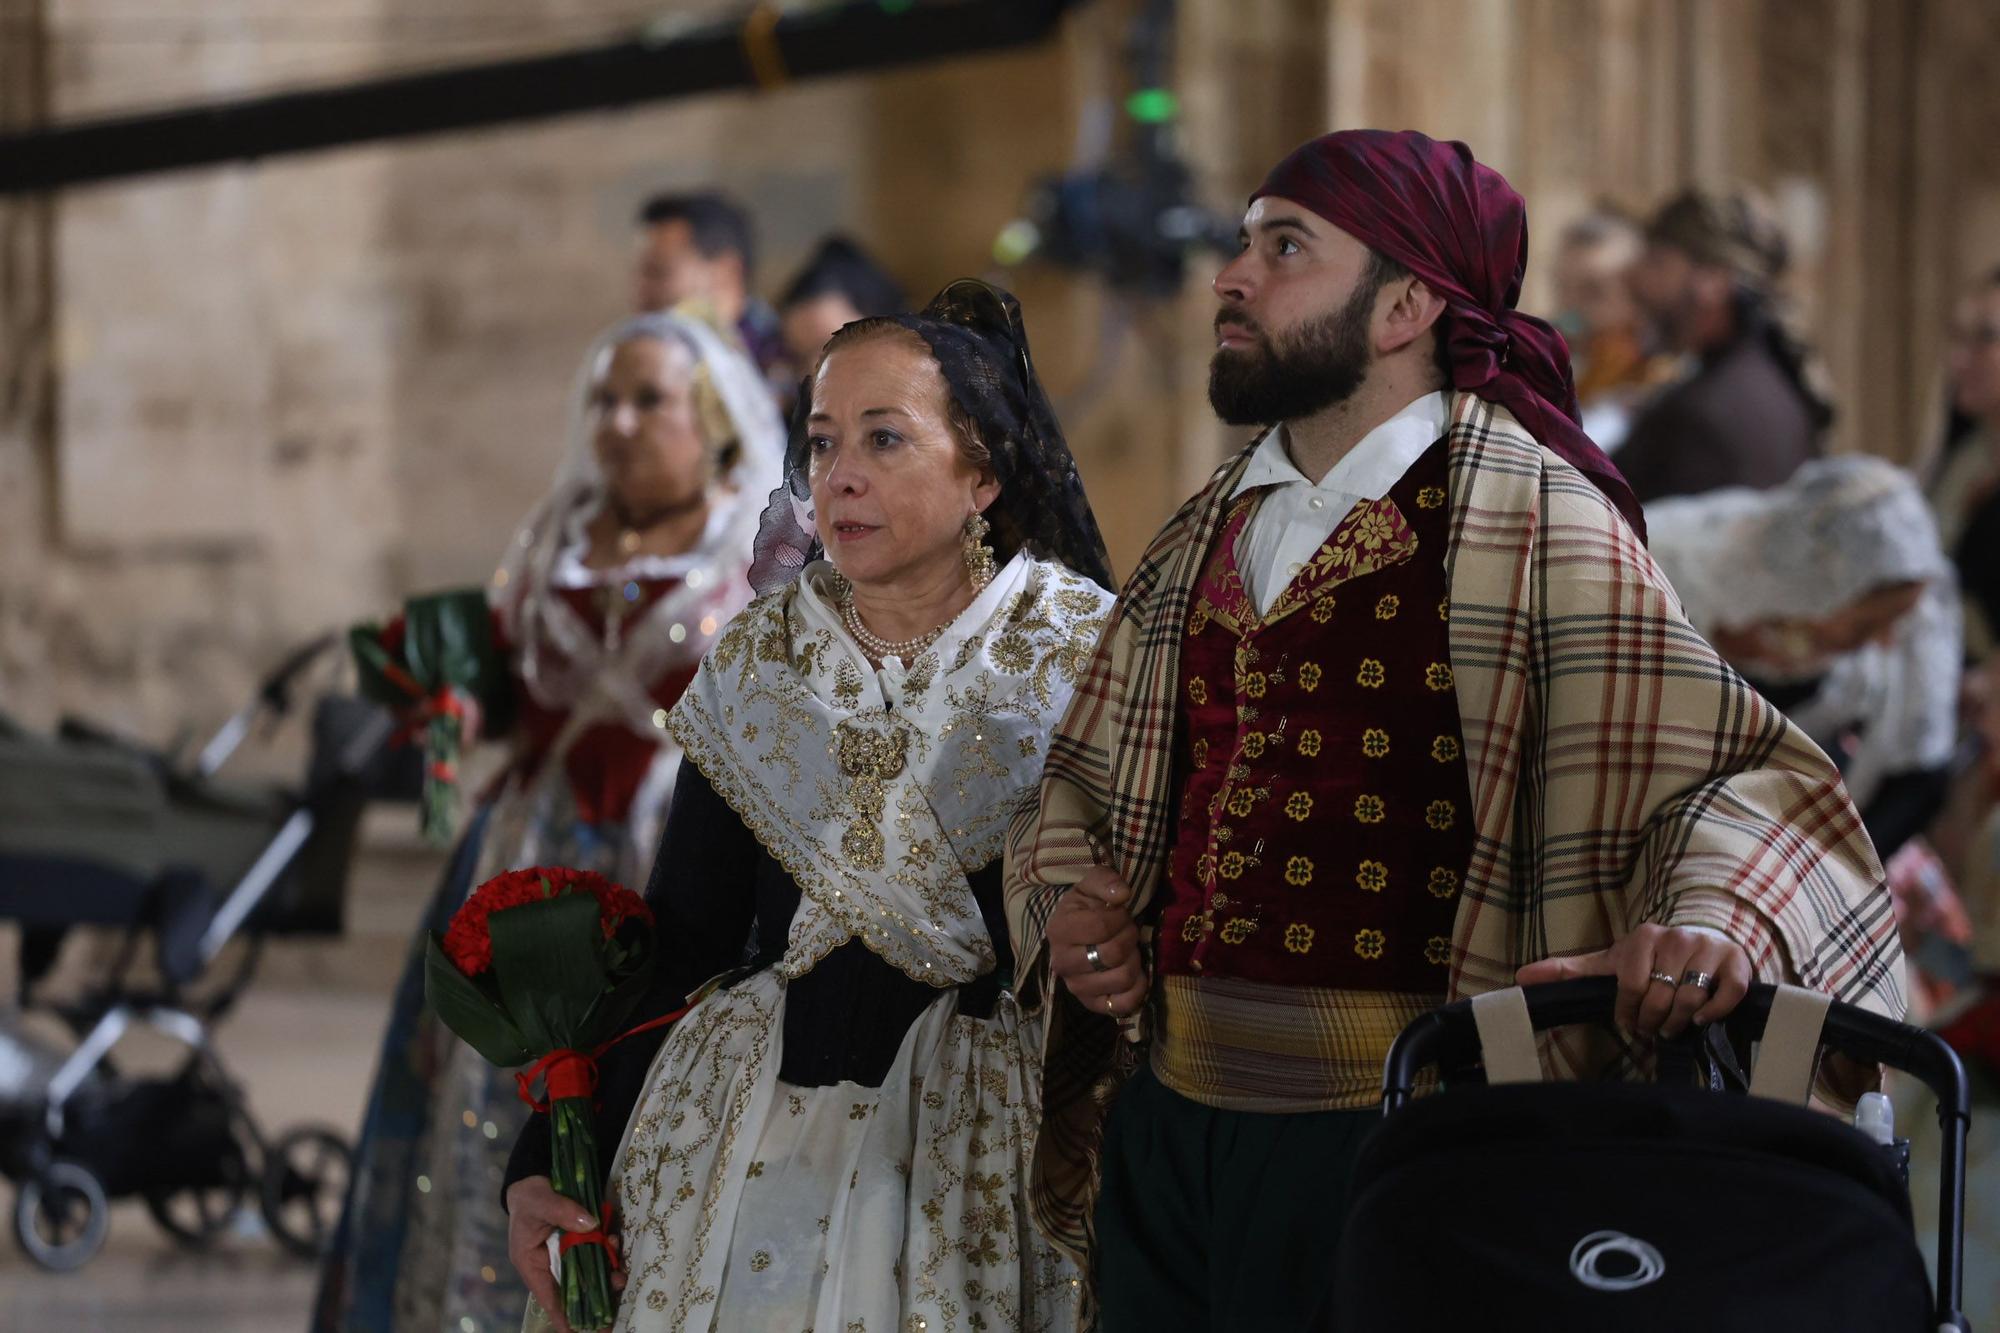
pixel 305 1185
pixel 194 1215
pixel 61 1216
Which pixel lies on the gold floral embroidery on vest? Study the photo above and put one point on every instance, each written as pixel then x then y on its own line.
pixel 1444 883
pixel 1253 745
pixel 1252 685
pixel 1370 809
pixel 1322 610
pixel 1371 675
pixel 1200 755
pixel 1388 606
pixel 873 759
pixel 1375 743
pixel 1368 943
pixel 1299 871
pixel 1373 876
pixel 1444 749
pixel 1309 742
pixel 1441 815
pixel 1438 677
pixel 1437 949
pixel 1196 926
pixel 1197 691
pixel 1430 497
pixel 1299 805
pixel 1199 617
pixel 1444 609
pixel 1373 536
pixel 1298 937
pixel 1309 676
pixel 1238 929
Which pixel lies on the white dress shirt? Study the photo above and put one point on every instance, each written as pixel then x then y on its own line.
pixel 1299 515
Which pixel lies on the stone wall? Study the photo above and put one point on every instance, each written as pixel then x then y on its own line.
pixel 242 405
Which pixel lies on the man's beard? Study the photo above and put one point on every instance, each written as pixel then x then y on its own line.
pixel 1323 363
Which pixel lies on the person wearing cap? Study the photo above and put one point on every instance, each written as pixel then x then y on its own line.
pixel 1395 711
pixel 1754 405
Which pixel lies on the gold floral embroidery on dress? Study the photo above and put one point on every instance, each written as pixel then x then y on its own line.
pixel 1299 871
pixel 1197 691
pixel 1373 876
pixel 1437 949
pixel 1322 610
pixel 1309 742
pixel 1252 685
pixel 1443 882
pixel 1444 749
pixel 1369 943
pixel 1299 937
pixel 1430 497
pixel 1388 606
pixel 1371 675
pixel 1370 809
pixel 1375 743
pixel 1438 677
pixel 1440 815
pixel 1299 805
pixel 1200 754
pixel 1309 674
pixel 872 759
pixel 1253 745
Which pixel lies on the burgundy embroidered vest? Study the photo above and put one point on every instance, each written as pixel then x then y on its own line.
pixel 1325 816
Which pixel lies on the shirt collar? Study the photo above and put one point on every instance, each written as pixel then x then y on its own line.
pixel 1371 468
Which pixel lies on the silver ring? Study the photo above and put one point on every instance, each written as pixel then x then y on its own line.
pixel 1095 959
pixel 1704 980
pixel 1667 977
pixel 1110 1005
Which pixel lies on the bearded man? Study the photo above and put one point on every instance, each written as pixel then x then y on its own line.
pixel 1397 710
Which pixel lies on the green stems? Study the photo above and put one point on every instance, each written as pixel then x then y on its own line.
pixel 588 1300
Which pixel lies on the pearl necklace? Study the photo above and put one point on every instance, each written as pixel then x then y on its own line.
pixel 878 647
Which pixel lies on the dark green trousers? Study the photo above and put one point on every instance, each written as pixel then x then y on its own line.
pixel 1219 1221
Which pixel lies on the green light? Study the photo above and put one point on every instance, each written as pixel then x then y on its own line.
pixel 897 6
pixel 1152 106
pixel 1016 241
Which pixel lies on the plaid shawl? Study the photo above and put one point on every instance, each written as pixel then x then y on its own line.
pixel 1620 773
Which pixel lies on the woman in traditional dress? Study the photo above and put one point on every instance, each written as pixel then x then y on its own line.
pixel 837 1136
pixel 1832 595
pixel 608 596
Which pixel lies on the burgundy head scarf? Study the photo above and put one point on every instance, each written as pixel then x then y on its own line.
pixel 1461 228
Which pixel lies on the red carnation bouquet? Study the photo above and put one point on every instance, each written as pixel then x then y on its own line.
pixel 542 967
pixel 440 665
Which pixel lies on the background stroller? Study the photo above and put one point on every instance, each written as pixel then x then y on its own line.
pixel 97 831
pixel 1646 1207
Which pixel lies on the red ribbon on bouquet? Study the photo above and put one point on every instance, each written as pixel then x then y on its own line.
pixel 601 1236
pixel 567 1073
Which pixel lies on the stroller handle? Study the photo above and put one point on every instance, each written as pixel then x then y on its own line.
pixel 1448 1037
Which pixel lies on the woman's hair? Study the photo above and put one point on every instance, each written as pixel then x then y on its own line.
pixel 839 267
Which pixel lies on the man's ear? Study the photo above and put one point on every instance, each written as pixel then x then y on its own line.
pixel 1411 311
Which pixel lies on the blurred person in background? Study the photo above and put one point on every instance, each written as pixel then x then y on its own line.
pixel 1753 407
pixel 1965 491
pixel 838 284
pixel 607 597
pixel 700 248
pixel 1832 595
pixel 1600 319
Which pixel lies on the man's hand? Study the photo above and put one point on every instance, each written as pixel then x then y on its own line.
pixel 1096 914
pixel 534 1213
pixel 1647 1005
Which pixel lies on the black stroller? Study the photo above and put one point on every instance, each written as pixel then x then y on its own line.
pixel 1636 1207
pixel 98 831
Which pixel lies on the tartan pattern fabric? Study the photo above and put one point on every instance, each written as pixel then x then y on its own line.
pixel 1620 773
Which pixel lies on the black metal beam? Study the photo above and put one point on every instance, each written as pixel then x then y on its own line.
pixel 766 50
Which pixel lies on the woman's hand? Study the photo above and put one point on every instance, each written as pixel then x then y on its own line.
pixel 1648 1004
pixel 534 1213
pixel 1095 915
